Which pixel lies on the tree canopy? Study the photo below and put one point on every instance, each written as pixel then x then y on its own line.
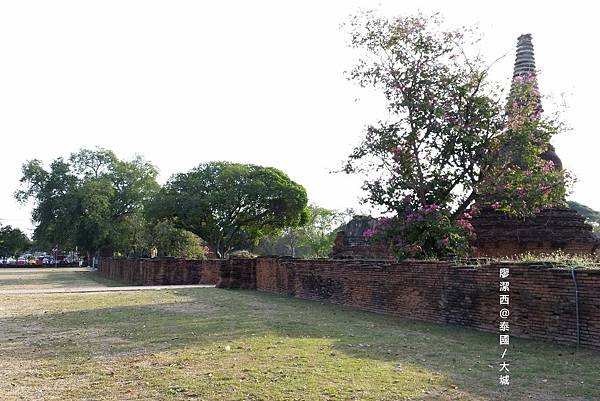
pixel 586 211
pixel 231 205
pixel 88 201
pixel 13 241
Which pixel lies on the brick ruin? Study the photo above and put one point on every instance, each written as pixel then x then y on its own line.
pixel 554 229
pixel 350 243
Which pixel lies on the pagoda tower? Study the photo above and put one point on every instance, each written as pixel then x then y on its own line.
pixel 525 69
pixel 553 229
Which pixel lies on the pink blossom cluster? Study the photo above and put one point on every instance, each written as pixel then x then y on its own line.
pixel 524 79
pixel 431 208
pixel 369 233
pixel 548 166
pixel 466 225
pixel 384 221
pixel 414 217
pixel 469 214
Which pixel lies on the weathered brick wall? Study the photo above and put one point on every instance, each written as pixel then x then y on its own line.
pixel 551 230
pixel 238 274
pixel 542 299
pixel 502 248
pixel 161 271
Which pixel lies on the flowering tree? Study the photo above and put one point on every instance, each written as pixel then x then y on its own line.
pixel 519 181
pixel 449 140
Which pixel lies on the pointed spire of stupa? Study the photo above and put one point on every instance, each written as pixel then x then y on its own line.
pixel 524 65
pixel 525 59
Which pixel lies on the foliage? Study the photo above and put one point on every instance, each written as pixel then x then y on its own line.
pixel 429 232
pixel 449 141
pixel 313 240
pixel 13 241
pixel 89 201
pixel 590 214
pixel 230 205
pixel 242 254
pixel 172 241
pixel 558 259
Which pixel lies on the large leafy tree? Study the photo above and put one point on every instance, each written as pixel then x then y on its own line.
pixel 89 201
pixel 230 205
pixel 13 241
pixel 450 140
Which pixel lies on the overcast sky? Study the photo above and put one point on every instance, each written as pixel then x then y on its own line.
pixel 185 82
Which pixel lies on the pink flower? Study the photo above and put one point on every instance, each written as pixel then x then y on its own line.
pixel 384 220
pixel 495 205
pixel 414 217
pixel 369 233
pixel 548 166
pixel 445 241
pixel 465 224
pixel 431 208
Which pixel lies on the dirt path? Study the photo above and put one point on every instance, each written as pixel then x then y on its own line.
pixel 69 290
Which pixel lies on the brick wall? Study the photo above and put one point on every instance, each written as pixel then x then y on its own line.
pixel 161 271
pixel 542 299
pixel 502 248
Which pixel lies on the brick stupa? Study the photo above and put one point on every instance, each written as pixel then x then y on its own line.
pixel 553 229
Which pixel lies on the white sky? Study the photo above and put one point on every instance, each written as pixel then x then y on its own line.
pixel 185 82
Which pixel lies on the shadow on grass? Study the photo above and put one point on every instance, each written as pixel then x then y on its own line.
pixel 212 317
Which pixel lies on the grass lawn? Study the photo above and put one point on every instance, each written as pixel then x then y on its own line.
pixel 35 277
pixel 213 344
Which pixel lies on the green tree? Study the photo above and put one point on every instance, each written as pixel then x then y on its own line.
pixel 449 140
pixel 230 205
pixel 590 214
pixel 89 201
pixel 313 240
pixel 13 241
pixel 172 241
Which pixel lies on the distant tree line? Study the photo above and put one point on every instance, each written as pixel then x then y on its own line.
pixel 93 200
pixel 13 241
